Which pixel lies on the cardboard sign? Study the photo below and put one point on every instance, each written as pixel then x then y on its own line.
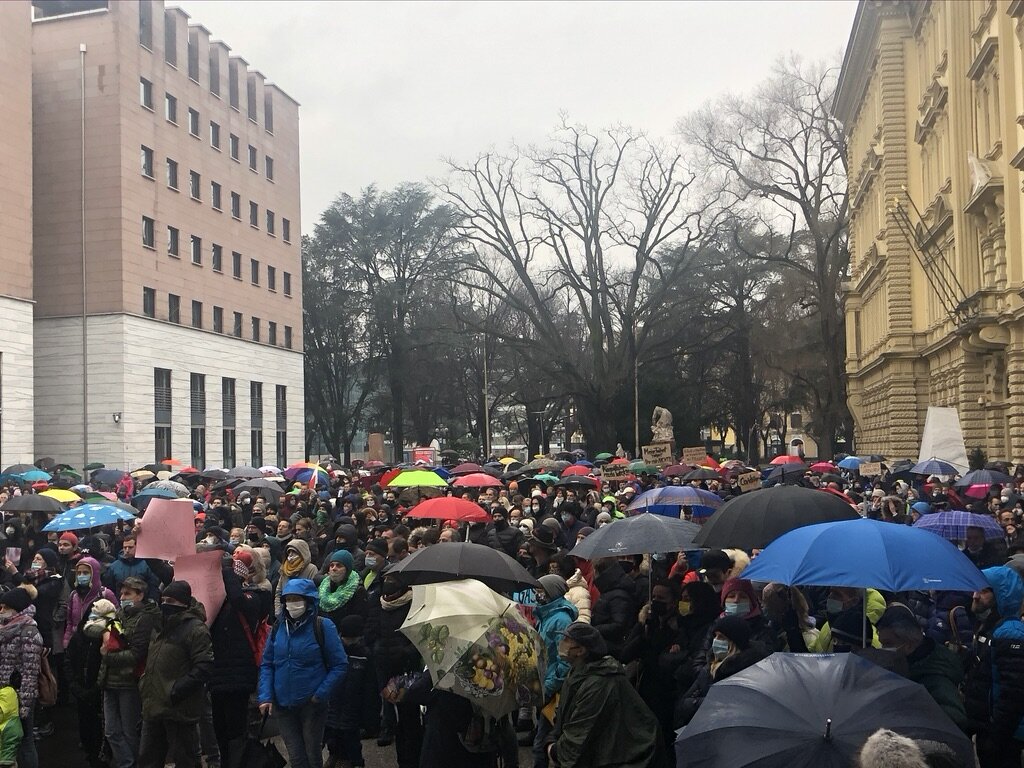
pixel 870 469
pixel 660 454
pixel 168 530
pixel 749 481
pixel 615 471
pixel 695 456
pixel 202 572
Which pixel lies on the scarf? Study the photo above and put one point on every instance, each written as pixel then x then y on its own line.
pixel 291 571
pixel 332 599
pixel 398 602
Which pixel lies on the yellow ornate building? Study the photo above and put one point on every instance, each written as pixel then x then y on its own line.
pixel 932 98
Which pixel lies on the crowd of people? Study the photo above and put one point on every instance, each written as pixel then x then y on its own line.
pixel 308 641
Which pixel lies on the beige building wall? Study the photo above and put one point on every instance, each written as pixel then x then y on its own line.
pixel 16 364
pixel 932 99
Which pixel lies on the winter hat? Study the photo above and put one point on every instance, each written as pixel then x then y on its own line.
pixel 352 625
pixel 603 519
pixel 554 585
pixel 344 557
pixel 886 749
pixel 921 507
pixel 240 555
pixel 735 629
pixel 551 523
pixel 137 583
pixel 878 493
pixel 18 599
pixel 544 538
pixel 259 524
pixel 535 493
pixel 49 557
pixel 717 559
pixel 527 522
pixel 347 533
pixel 178 590
pixel 69 536
pixel 588 637
pixel 377 546
pixel 585 531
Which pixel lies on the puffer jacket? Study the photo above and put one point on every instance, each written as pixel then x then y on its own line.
pixel 875 608
pixel 616 610
pixel 136 626
pixel 393 653
pixel 308 571
pixel 179 663
pixel 293 669
pixel 20 648
pixel 505 538
pixel 579 595
pixel 78 604
pixel 235 669
pixel 552 619
pixel 939 670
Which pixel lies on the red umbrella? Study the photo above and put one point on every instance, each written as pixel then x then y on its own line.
pixel 823 466
pixel 187 470
pixel 373 464
pixel 450 508
pixel 467 468
pixel 477 480
pixel 674 470
pixel 619 461
pixel 390 475
pixel 786 460
pixel 840 494
pixel 709 461
pixel 577 469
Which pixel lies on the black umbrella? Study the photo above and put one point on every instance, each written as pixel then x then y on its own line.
pixel 701 473
pixel 799 710
pixel 463 560
pixel 753 520
pixel 785 473
pixel 31 502
pixel 578 481
pixel 46 463
pixel 107 476
pixel 261 487
pixel 983 477
pixel 246 472
pixel 640 535
pixel 17 469
pixel 213 474
pixel 828 477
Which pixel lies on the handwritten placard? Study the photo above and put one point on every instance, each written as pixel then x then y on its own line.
pixel 203 574
pixel 695 456
pixel 615 471
pixel 870 469
pixel 659 454
pixel 749 481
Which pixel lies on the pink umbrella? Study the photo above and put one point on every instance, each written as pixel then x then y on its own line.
pixel 979 491
pixel 477 480
pixel 576 469
pixel 823 466
pixel 786 460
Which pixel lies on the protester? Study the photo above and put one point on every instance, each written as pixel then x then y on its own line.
pixel 296 565
pixel 554 613
pixel 615 611
pixel 20 649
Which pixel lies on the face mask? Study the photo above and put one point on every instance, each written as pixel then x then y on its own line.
pixel 169 610
pixel 294 557
pixel 627 566
pixel 253 536
pixel 974 550
pixel 566 518
pixel 295 610
pixel 126 604
pixel 371 561
pixel 833 606
pixel 211 540
pixel 235 541
pixel 685 606
pixel 741 608
pixel 535 508
pixel 94 616
pixel 83 579
pixel 391 589
pixel 720 647
pixel 10 530
pixel 658 557
pixel 337 577
pixel 36 566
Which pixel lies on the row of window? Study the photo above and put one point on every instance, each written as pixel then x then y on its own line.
pixel 147 167
pixel 199 319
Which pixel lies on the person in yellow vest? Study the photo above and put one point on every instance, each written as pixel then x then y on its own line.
pixel 845 628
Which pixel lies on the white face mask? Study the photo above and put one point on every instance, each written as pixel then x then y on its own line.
pixel 370 561
pixel 211 540
pixel 295 609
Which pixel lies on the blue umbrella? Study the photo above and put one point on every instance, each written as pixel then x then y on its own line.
pixel 952 524
pixel 866 553
pixel 850 462
pixel 35 475
pixel 934 466
pixel 583 463
pixel 87 516
pixel 982 477
pixel 677 496
pixel 156 493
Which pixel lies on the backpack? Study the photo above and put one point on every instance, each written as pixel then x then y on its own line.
pixel 47 681
pixel 318 633
pixel 257 640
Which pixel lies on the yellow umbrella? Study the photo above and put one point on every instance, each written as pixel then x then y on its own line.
pixel 143 474
pixel 64 497
pixel 506 460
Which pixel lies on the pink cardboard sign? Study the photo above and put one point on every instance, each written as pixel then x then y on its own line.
pixel 168 530
pixel 203 574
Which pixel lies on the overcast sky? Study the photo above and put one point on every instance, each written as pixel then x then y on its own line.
pixel 390 89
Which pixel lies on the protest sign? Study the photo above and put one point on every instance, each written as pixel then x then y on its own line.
pixel 749 481
pixel 203 574
pixel 870 469
pixel 615 471
pixel 658 454
pixel 695 456
pixel 168 530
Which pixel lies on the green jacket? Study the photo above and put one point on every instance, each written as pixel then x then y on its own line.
pixel 136 625
pixel 179 662
pixel 939 670
pixel 602 722
pixel 11 732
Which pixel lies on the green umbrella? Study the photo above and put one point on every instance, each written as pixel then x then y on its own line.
pixel 545 478
pixel 639 467
pixel 422 477
pixel 603 457
pixel 94 465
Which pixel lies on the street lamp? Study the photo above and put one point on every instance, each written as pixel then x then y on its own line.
pixel 487 407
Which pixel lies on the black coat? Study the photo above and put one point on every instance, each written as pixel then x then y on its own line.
pixel 505 539
pixel 694 697
pixel 393 653
pixel 235 668
pixel 348 705
pixel 615 612
pixel 446 721
pixel 356 605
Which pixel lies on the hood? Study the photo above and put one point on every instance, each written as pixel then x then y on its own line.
pixel 876 605
pixel 95 566
pixel 299 546
pixel 746 589
pixel 14 626
pixel 576 580
pixel 1008 589
pixel 612 577
pixel 348 532
pixel 558 605
pixel 603 667
pixel 304 587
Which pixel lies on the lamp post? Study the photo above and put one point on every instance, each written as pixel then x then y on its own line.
pixel 487 407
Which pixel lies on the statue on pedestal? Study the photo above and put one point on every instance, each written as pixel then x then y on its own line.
pixel 661 425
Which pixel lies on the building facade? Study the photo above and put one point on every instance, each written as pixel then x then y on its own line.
pixel 932 98
pixel 16 363
pixel 181 254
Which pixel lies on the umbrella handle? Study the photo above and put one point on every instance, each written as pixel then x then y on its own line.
pixel 828 729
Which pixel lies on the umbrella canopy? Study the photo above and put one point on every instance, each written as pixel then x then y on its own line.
pixel 143 474
pixel 544 477
pixel 214 474
pixel 639 535
pixel 578 481
pixel 61 495
pixel 952 525
pixel 850 462
pixel 449 508
pixel 463 560
pixel 810 711
pixel 983 477
pixel 676 470
pixel 603 456
pixel 477 480
pixel 506 460
pixel 577 469
pixel 87 516
pixel 677 495
pixel 476 644
pixel 785 473
pixel 17 469
pixel 154 492
pixel 466 468
pixel 752 520
pixel 107 476
pixel 539 465
pixel 417 477
pixel 31 503
pixel 260 486
pixel 866 553
pixel 934 466
pixel 701 473
pixel 35 476
pixel 246 472
pixel 785 459
pixel 180 490
pixel 823 466
pixel 304 474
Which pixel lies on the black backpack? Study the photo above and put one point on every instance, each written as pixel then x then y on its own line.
pixel 318 633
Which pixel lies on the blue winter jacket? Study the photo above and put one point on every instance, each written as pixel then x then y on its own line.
pixel 293 671
pixel 1007 698
pixel 552 619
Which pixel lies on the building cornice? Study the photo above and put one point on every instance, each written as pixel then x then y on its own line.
pixel 986 52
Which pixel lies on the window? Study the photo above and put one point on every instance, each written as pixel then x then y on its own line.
pixel 251 98
pixel 227 399
pixel 173 308
pixel 286 281
pixel 272 333
pixel 281 422
pixel 256 447
pixel 254 215
pixel 215 83
pixel 233 83
pixel 286 230
pixel 256 403
pixel 195 185
pixel 270 222
pixel 252 158
pixel 228 438
pixel 149 302
pixel 193 54
pixel 146 93
pixel 269 162
pixel 197 250
pixel 197 400
pixel 162 448
pixel 170 40
pixel 255 329
pixel 147 162
pixel 233 146
pixel 268 111
pixel 272 278
pixel 215 195
pixel 217 259
pixel 218 319
pixel 172 173
pixel 288 337
pixel 172 242
pixel 148 232
pixel 236 206
pixel 146 26
pixel 162 412
pixel 198 457
pixel 282 446
pixel 236 265
pixel 197 314
pixel 171 108
pixel 214 135
pixel 254 271
pixel 236 329
pixel 193 122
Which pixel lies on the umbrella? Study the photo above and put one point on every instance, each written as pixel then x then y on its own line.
pixel 823 466
pixel 639 535
pixel 544 477
pixel 107 476
pixel 449 508
pixel 170 485
pixel 17 469
pixel 506 460
pixel 93 466
pixel 476 644
pixel 417 477
pixel 463 560
pixel 675 470
pixel 677 495
pixel 934 466
pixel 270 469
pixel 751 520
pixel 539 465
pixel 784 459
pixel 35 475
pixel 701 473
pixel 260 486
pixel 952 525
pixel 466 468
pixel 603 457
pixel 983 477
pixel 155 492
pixel 46 462
pixel 865 553
pixel 374 464
pixel 109 500
pixel 577 469
pixel 584 481
pixel 810 711
pixel 850 462
pixel 31 503
pixel 171 462
pixel 143 474
pixel 214 474
pixel 61 495
pixel 477 480
pixel 785 473
pixel 87 516
pixel 305 474
pixel 246 472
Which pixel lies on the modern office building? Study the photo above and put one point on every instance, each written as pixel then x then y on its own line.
pixel 16 250
pixel 181 254
pixel 932 99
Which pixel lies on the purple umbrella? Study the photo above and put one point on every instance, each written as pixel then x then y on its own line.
pixel 952 524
